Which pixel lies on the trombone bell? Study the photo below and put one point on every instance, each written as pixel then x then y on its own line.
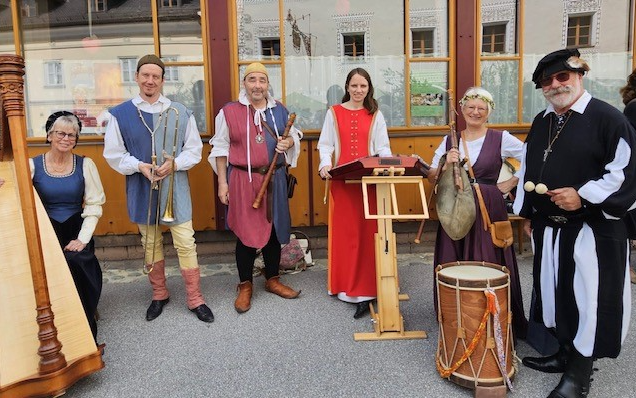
pixel 168 215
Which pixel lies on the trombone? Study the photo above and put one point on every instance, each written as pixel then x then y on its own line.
pixel 168 215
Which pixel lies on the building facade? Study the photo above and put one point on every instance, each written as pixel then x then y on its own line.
pixel 81 56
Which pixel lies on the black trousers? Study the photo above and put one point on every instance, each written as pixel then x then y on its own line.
pixel 245 257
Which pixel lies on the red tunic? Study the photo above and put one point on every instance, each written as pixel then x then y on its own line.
pixel 351 257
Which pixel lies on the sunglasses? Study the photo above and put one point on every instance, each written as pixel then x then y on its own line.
pixel 561 77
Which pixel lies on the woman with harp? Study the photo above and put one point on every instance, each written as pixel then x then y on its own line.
pixel 486 149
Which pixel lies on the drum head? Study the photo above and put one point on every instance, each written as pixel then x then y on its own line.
pixel 473 274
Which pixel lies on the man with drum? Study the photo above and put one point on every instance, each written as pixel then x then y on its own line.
pixel 136 134
pixel 577 181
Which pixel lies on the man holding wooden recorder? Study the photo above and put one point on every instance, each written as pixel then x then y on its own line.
pixel 250 134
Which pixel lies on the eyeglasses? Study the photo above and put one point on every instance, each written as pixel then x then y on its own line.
pixel 62 134
pixel 479 109
pixel 561 77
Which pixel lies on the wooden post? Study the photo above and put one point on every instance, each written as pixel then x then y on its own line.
pixel 12 94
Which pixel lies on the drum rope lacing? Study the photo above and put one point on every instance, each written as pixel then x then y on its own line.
pixel 492 298
pixel 492 307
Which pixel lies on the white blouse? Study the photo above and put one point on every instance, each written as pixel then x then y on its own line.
pixel 511 147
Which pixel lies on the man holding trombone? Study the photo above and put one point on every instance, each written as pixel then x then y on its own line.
pixel 153 141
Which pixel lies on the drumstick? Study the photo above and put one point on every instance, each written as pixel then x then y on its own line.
pixel 420 230
pixel 324 198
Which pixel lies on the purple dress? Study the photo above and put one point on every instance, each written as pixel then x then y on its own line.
pixel 477 245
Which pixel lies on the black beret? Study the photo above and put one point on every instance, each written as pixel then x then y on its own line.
pixel 56 115
pixel 151 59
pixel 557 61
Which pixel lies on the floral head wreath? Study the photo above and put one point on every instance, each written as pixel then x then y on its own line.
pixel 466 98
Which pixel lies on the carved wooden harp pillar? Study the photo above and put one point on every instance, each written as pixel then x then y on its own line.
pixel 12 94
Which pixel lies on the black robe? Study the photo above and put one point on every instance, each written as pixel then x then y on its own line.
pixel 581 257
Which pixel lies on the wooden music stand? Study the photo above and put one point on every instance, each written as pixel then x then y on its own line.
pixel 385 173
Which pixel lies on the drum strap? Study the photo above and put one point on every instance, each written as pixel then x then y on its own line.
pixel 492 307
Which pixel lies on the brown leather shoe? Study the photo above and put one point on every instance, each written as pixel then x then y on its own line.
pixel 274 285
pixel 243 301
pixel 632 275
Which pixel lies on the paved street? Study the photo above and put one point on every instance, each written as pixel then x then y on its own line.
pixel 288 348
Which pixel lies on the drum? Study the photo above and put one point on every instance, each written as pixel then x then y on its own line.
pixel 462 305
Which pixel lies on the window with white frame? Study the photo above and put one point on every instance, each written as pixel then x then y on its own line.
pixel 422 42
pixel 53 73
pixel 579 32
pixel 128 68
pixel 353 45
pixel 172 72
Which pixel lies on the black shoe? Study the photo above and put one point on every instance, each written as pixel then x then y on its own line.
pixel 555 363
pixel 362 308
pixel 155 308
pixel 575 382
pixel 204 313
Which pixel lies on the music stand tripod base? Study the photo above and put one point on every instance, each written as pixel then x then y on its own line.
pixel 379 335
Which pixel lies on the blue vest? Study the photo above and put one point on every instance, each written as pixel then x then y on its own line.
pixel 62 196
pixel 138 143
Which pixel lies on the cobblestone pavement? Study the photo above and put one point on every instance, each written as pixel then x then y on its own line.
pixel 131 270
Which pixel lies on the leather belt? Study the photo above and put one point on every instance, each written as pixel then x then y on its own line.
pixel 481 181
pixel 559 219
pixel 574 219
pixel 260 170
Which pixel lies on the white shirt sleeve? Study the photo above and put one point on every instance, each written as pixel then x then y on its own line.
pixel 380 142
pixel 292 154
pixel 327 141
pixel 94 198
pixel 190 154
pixel 115 151
pixel 511 146
pixel 441 150
pixel 220 141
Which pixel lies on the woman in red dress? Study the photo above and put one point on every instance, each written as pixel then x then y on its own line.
pixel 352 130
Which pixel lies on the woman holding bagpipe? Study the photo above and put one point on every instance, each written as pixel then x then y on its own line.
pixel 253 143
pixel 486 149
pixel 352 130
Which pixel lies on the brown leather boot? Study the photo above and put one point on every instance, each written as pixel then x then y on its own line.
pixel 274 285
pixel 242 303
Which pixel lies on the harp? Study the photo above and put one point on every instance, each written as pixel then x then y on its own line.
pixel 45 342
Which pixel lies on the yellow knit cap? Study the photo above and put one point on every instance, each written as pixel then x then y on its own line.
pixel 255 67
